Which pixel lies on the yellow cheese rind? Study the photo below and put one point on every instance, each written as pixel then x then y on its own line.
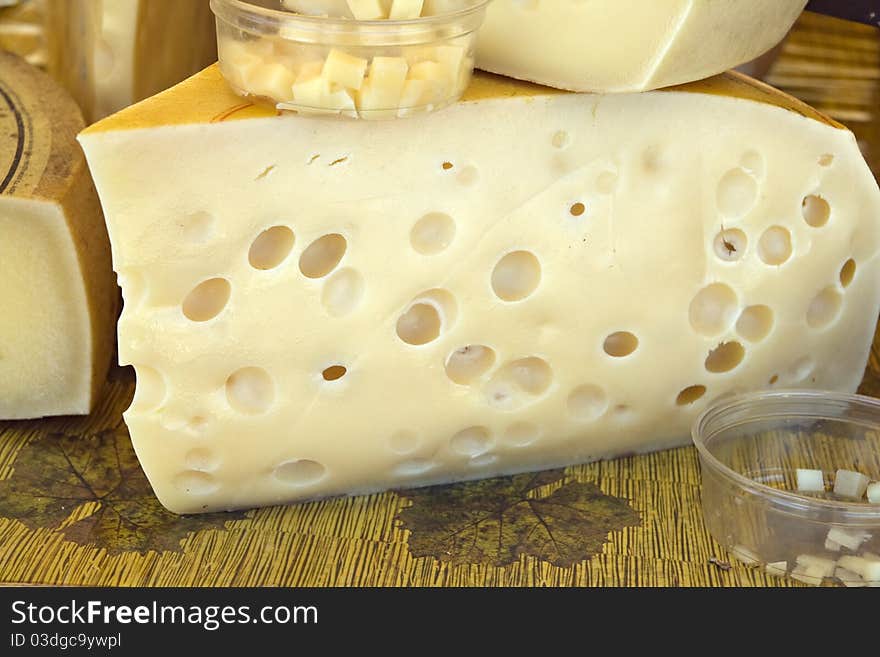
pixel 615 46
pixel 527 279
pixel 60 297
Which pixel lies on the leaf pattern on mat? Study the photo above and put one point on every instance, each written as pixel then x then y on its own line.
pixel 92 489
pixel 494 521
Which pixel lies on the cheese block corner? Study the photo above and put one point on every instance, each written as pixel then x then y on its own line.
pixel 528 279
pixel 57 287
pixel 614 46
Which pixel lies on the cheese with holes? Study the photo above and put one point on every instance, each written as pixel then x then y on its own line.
pixel 527 279
pixel 628 45
pixel 112 53
pixel 57 289
pixel 22 24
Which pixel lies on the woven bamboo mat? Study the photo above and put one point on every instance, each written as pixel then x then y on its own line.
pixel 76 510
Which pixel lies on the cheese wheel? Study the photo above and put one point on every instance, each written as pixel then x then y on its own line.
pixel 530 278
pixel 112 53
pixel 616 46
pixel 57 288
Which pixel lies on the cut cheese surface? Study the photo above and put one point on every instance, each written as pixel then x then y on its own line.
pixel 528 279
pixel 112 53
pixel 57 288
pixel 628 45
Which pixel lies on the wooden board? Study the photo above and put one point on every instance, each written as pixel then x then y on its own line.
pixel 76 510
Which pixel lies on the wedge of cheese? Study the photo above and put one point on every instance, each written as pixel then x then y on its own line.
pixel 527 279
pixel 628 45
pixel 112 53
pixel 57 289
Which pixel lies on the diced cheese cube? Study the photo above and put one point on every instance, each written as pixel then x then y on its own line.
pixel 817 565
pixel 367 10
pixel 745 555
pixel 405 9
pixel 850 484
pixel 577 45
pixel 57 289
pixel 452 58
pixel 873 492
pixel 849 578
pixel 388 250
pixel 850 539
pixel 416 95
pixel 380 94
pixel 331 8
pixel 340 101
pixel 344 70
pixel 812 481
pixel 272 80
pixel 808 575
pixel 777 568
pixel 310 89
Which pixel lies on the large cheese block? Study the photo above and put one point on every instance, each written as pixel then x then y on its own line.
pixel 22 29
pixel 112 53
pixel 57 289
pixel 628 45
pixel 527 279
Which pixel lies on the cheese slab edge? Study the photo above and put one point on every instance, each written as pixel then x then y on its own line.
pixel 528 279
pixel 56 283
pixel 615 46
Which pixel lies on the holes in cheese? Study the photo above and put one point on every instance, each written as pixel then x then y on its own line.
pixel 561 139
pixel 271 248
pixel 323 256
pixel 207 299
pixel 516 276
pixel 730 244
pixel 521 434
pixel 848 272
pixel 774 247
pixel 472 441
pixel 301 472
pixel 577 209
pixel 433 233
pixel 824 308
pixel 202 459
pixel 713 309
pixel 404 442
pixel 620 344
pixel 199 227
pixel 519 383
pixel 826 160
pixel 250 390
pixel 427 316
pixel 737 193
pixel 816 211
pixel 343 292
pixel 587 402
pixel 334 373
pixel 725 357
pixel 413 468
pixel 151 389
pixel 469 176
pixel 195 482
pixel 755 323
pixel 690 395
pixel 469 363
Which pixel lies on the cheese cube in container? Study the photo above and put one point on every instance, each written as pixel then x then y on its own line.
pixel 628 45
pixel 361 51
pixel 57 288
pixel 528 279
pixel 111 53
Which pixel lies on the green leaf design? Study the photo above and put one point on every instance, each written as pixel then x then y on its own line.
pixel 56 475
pixel 495 521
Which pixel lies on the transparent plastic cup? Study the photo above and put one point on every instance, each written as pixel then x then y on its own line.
pixel 751 448
pixel 341 67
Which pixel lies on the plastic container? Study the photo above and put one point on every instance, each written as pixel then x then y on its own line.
pixel 751 447
pixel 337 66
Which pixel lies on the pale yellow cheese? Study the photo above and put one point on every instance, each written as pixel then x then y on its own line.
pixel 22 29
pixel 529 278
pixel 112 53
pixel 57 288
pixel 628 45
